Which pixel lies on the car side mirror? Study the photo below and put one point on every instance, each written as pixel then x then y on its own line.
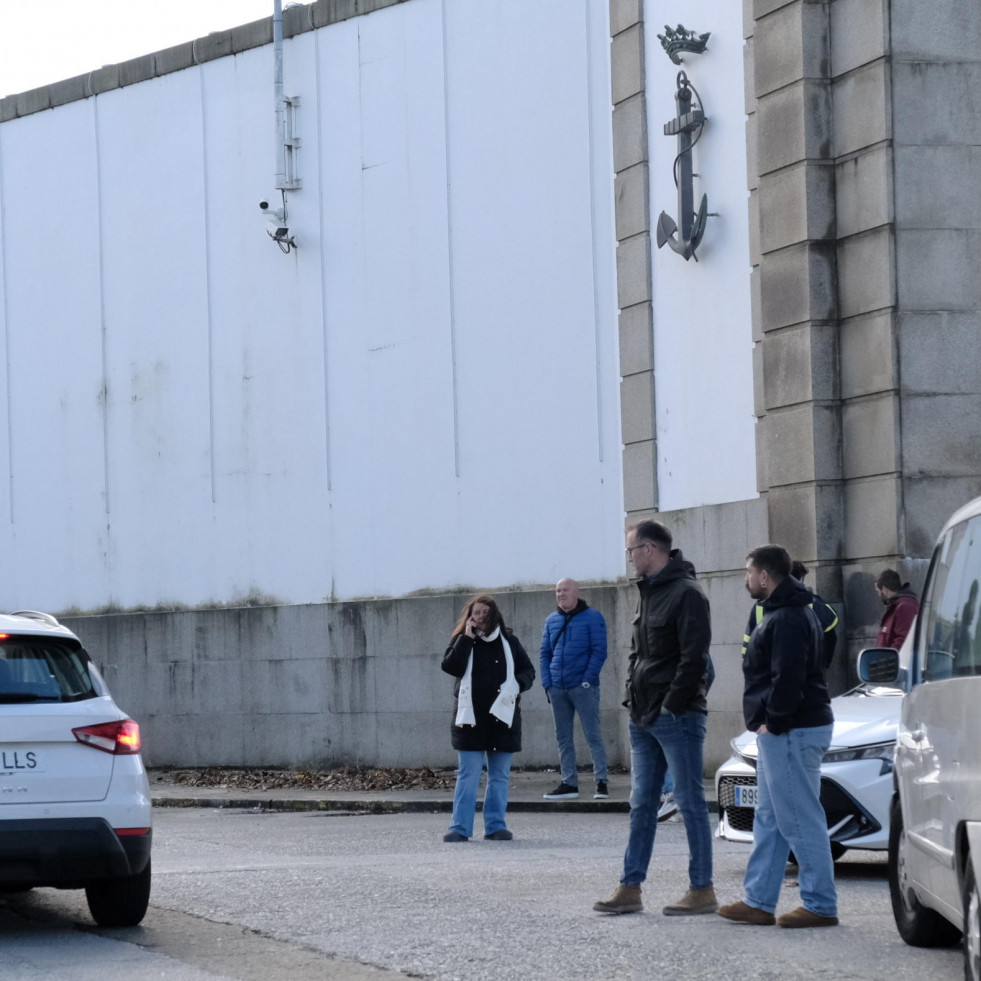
pixel 880 666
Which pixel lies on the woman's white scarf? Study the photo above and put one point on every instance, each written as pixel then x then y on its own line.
pixel 504 704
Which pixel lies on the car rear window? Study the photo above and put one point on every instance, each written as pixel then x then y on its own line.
pixel 43 669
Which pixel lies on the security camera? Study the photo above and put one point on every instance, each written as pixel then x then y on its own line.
pixel 272 214
pixel 277 231
pixel 276 227
pixel 275 222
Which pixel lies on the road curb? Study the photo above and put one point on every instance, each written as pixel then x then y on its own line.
pixel 361 805
pixel 365 806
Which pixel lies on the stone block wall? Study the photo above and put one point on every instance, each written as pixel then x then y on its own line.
pixel 322 684
pixel 360 682
pixel 865 123
pixel 336 683
pixel 908 182
pixel 798 411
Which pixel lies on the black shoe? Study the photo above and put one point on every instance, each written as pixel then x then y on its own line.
pixel 602 790
pixel 562 792
pixel 454 836
pixel 501 835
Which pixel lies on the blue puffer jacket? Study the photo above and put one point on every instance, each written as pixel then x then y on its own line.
pixel 575 655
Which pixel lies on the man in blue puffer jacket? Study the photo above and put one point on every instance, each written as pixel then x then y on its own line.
pixel 573 652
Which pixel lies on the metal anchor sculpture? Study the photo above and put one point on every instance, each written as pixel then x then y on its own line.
pixel 689 121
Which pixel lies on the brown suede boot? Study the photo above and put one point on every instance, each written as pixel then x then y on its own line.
pixel 626 899
pixel 743 913
pixel 801 917
pixel 693 902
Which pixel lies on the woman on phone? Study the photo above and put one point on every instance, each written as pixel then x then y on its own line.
pixel 492 669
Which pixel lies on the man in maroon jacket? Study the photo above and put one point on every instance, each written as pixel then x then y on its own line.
pixel 901 609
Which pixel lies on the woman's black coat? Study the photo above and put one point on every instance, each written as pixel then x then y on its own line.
pixel 488 674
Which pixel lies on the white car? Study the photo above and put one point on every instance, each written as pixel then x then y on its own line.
pixel 74 798
pixel 856 774
pixel 935 844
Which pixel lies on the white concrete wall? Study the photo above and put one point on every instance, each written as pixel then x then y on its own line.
pixel 702 318
pixel 422 396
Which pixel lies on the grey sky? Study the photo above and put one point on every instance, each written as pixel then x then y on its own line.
pixel 44 41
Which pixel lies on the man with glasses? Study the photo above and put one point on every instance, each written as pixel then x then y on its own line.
pixel 666 696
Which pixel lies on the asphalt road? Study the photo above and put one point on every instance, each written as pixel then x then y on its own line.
pixel 303 896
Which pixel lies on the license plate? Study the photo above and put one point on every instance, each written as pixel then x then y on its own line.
pixel 747 796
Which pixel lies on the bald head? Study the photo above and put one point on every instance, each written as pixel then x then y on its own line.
pixel 567 594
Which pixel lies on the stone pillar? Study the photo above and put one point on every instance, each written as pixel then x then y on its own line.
pixel 795 279
pixel 633 229
pixel 864 127
pixel 906 78
pixel 871 459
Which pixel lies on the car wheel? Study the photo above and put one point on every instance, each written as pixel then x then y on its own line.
pixel 119 902
pixel 917 925
pixel 972 925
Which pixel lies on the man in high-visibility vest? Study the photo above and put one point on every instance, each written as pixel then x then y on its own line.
pixel 825 613
pixel 786 703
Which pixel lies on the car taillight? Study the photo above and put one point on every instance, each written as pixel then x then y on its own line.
pixel 118 738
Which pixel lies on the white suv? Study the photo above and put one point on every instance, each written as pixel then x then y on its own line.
pixel 935 830
pixel 74 798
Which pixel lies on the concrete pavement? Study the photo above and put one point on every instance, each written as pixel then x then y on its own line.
pixel 277 896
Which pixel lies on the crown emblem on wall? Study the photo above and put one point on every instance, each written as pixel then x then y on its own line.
pixel 681 39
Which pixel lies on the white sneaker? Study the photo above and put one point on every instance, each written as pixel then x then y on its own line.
pixel 668 808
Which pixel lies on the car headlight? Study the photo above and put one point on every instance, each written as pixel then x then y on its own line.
pixel 746 751
pixel 878 751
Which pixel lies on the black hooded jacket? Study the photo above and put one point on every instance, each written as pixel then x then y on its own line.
pixel 825 614
pixel 669 648
pixel 488 674
pixel 783 666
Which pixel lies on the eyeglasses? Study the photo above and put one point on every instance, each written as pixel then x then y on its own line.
pixel 630 550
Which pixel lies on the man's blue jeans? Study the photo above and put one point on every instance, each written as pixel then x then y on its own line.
pixel 675 742
pixel 668 787
pixel 470 765
pixel 789 815
pixel 566 702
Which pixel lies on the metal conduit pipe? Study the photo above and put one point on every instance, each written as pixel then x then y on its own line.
pixel 278 94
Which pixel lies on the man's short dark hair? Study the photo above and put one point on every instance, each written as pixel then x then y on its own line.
pixel 653 531
pixel 772 559
pixel 889 579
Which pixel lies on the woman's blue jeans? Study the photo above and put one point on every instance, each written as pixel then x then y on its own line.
pixel 789 815
pixel 675 741
pixel 470 765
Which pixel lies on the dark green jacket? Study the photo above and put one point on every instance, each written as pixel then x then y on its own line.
pixel 669 649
